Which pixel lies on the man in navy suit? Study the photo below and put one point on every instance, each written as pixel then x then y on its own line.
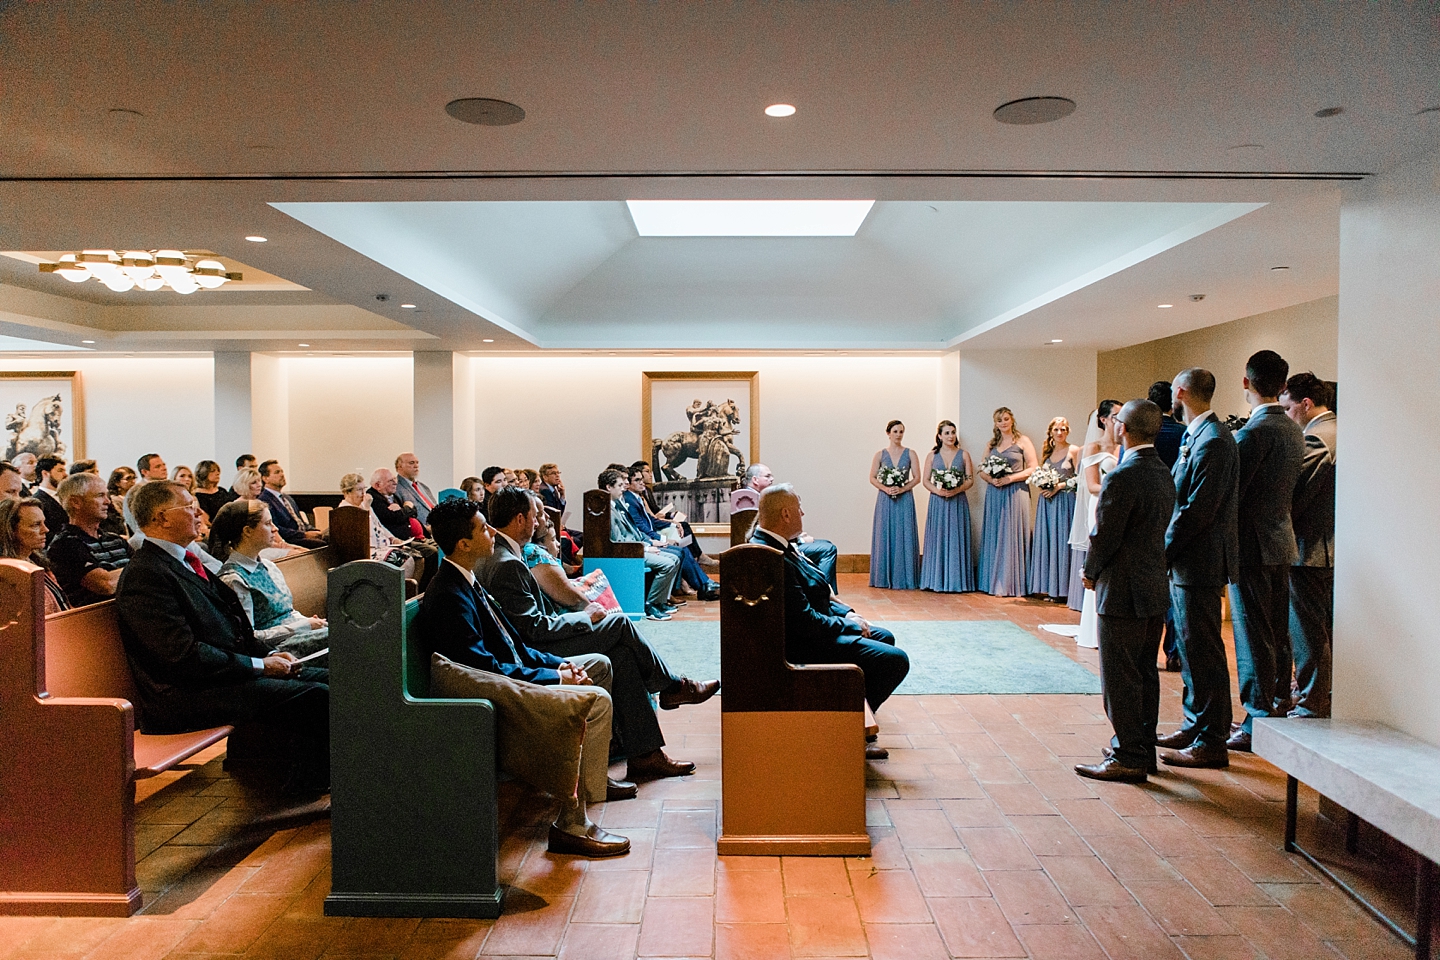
pixel 459 621
pixel 818 627
pixel 1272 449
pixel 1203 553
pixel 1167 445
pixel 1125 566
pixel 690 572
pixel 284 511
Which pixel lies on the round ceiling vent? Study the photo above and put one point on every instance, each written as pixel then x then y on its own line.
pixel 1034 110
pixel 485 111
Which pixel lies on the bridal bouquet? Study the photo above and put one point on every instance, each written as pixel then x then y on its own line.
pixel 995 466
pixel 948 479
pixel 892 476
pixel 1047 477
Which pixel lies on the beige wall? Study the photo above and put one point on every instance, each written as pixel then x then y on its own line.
pixel 1387 660
pixel 345 413
pixel 1305 335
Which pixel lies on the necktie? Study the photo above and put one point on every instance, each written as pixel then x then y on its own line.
pixel 499 625
pixel 420 492
pixel 194 563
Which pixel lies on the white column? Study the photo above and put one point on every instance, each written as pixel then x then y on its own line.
pixel 435 417
pixel 232 408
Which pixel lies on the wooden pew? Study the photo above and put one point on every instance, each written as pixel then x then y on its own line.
pixel 741 523
pixel 623 563
pixel 71 753
pixel 349 533
pixel 792 738
pixel 413 829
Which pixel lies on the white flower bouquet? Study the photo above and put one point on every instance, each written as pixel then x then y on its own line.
pixel 1046 477
pixel 948 479
pixel 995 466
pixel 892 476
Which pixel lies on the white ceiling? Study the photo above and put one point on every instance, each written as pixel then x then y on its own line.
pixel 242 110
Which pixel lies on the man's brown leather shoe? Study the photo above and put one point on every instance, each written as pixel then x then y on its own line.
pixel 689 691
pixel 873 751
pixel 1199 756
pixel 1178 740
pixel 595 843
pixel 619 789
pixel 1110 769
pixel 1239 741
pixel 655 765
pixel 1108 753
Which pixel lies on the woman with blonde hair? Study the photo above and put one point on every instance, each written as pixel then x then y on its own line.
pixel 247 484
pixel 1005 534
pixel 1050 547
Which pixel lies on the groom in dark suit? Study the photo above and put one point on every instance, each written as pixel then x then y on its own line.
pixel 818 627
pixel 1125 566
pixel 1203 553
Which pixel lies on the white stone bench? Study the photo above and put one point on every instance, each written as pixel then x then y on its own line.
pixel 1387 778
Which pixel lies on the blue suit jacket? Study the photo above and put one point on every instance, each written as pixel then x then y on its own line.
pixel 1272 452
pixel 639 516
pixel 455 622
pixel 1202 544
pixel 280 515
pixel 813 617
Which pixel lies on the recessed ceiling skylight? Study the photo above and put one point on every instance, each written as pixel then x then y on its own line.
pixel 748 218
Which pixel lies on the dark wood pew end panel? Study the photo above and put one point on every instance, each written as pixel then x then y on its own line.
pixel 350 533
pixel 413 823
pixel 792 738
pixel 623 562
pixel 741 523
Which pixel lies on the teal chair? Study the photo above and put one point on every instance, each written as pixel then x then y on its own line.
pixel 623 563
pixel 413 823
pixel 450 493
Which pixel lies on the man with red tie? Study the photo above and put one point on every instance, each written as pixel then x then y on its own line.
pixel 194 654
pixel 409 488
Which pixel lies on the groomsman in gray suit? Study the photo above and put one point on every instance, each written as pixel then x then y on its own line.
pixel 1203 553
pixel 1312 579
pixel 1125 566
pixel 1272 448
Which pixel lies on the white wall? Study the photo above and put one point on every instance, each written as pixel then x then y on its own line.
pixel 139 405
pixel 344 414
pixel 1387 660
pixel 821 420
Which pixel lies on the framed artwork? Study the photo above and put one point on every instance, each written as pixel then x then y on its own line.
pixel 699 431
pixel 43 413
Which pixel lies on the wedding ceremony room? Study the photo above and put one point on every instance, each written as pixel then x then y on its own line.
pixel 741 481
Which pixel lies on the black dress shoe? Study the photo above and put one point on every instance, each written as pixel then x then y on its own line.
pixel 873 751
pixel 1112 770
pixel 1239 741
pixel 688 691
pixel 1200 756
pixel 619 789
pixel 1178 740
pixel 656 765
pixel 595 843
pixel 1109 753
pixel 712 592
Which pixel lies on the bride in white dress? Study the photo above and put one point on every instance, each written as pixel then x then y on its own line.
pixel 1097 458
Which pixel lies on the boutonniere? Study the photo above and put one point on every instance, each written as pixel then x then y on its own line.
pixel 1185 450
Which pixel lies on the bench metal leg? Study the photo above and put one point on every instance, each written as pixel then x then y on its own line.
pixel 1352 832
pixel 1292 803
pixel 1424 907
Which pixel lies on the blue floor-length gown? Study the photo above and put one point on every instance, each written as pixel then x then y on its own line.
pixel 1050 548
pixel 1005 534
pixel 895 537
pixel 948 565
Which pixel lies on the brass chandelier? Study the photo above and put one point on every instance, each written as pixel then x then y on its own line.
pixel 142 269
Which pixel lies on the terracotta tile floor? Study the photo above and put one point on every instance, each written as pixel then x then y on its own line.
pixel 985 845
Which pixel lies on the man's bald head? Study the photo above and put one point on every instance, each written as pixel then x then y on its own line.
pixel 780 512
pixel 1142 422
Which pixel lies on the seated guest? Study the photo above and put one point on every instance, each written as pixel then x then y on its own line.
pixel 639 514
pixel 22 537
pixel 473 488
pixel 122 481
pixel 819 628
pixel 492 479
pixel 394 516
pixel 84 466
pixel 527 479
pixel 240 532
pixel 12 485
pixel 638 670
pixel 208 490
pixel 666 516
pixel 822 553
pixel 552 488
pixel 246 461
pixel 410 489
pixel 152 467
pixel 285 512
pixel 193 654
pixel 662 565
pixel 87 561
pixel 50 471
pixel 184 476
pixel 25 463
pixel 417 558
pixel 458 620
pixel 542 555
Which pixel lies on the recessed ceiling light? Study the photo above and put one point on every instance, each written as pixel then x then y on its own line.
pixel 407 306
pixel 87 341
pixel 1279 268
pixel 1057 341
pixel 780 110
pixel 1330 112
pixel 257 239
pixel 1165 306
pixel 487 340
pixel 485 112
pixel 302 344
pixel 748 218
pixel 1031 110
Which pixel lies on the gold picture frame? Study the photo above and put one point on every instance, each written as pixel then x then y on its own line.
pixel 31 388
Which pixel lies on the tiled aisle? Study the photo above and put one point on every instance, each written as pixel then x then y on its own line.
pixel 985 845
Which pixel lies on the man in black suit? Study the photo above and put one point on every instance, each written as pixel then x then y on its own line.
pixel 49 474
pixel 1312 578
pixel 1203 554
pixel 1272 448
pixel 1125 566
pixel 193 653
pixel 388 507
pixel 459 620
pixel 639 671
pixel 818 627
pixel 1167 445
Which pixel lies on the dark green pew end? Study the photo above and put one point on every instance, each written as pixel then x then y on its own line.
pixel 413 814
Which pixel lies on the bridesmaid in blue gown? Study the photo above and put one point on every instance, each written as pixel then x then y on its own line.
pixel 1005 534
pixel 948 564
pixel 1054 515
pixel 895 538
